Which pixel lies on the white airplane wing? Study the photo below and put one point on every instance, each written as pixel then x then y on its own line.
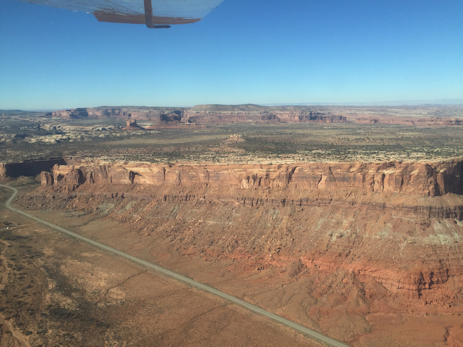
pixel 153 13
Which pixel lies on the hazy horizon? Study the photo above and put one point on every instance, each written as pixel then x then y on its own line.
pixel 440 102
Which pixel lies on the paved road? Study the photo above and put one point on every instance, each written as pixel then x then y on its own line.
pixel 299 328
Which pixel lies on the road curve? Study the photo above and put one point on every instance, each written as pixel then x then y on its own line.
pixel 299 328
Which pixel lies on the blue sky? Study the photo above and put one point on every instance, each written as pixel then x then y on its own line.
pixel 245 51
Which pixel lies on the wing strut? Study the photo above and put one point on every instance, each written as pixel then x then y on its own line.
pixel 149 17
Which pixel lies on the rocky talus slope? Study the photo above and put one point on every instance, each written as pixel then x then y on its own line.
pixel 356 239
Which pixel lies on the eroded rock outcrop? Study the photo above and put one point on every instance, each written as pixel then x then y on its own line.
pixel 205 114
pixel 353 240
pixel 406 178
pixel 46 179
pixel 132 125
pixel 135 113
pixel 219 114
pixel 261 117
pixel 2 171
pixel 70 114
pixel 408 246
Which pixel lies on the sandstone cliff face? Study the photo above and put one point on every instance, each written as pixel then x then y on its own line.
pixel 416 178
pixel 204 115
pixel 135 113
pixel 46 178
pixel 385 245
pixel 2 171
pixel 132 125
pixel 342 242
pixel 211 117
pixel 359 240
pixel 220 114
pixel 71 114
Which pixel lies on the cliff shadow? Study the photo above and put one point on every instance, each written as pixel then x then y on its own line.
pixel 31 168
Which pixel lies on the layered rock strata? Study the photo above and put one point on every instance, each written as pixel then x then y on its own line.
pixel 137 113
pixel 356 239
pixel 406 178
pixel 220 114
pixel 411 251
pixel 215 114
pixel 132 125
pixel 421 191
pixel 261 117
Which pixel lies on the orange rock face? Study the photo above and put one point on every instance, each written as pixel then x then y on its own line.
pixel 223 114
pixel 46 178
pixel 263 117
pixel 406 190
pixel 203 115
pixel 2 171
pixel 132 125
pixel 353 242
pixel 415 178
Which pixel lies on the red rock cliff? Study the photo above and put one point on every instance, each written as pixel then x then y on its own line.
pixel 406 178
pixel 2 170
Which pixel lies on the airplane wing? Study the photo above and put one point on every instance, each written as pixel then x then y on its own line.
pixel 153 13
